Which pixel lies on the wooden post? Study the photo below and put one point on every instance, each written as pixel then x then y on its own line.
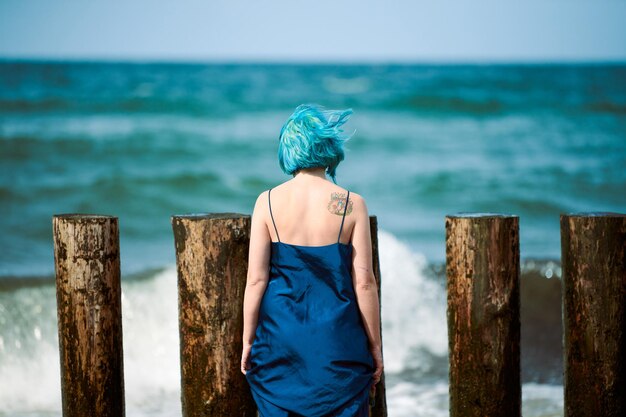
pixel 593 254
pixel 380 405
pixel 87 267
pixel 212 263
pixel 482 268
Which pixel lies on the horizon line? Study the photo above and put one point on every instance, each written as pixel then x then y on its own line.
pixel 308 61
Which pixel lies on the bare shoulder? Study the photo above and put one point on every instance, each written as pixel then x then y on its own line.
pixel 337 203
pixel 261 201
pixel 358 204
pixel 263 197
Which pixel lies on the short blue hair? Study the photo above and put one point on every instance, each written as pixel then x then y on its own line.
pixel 312 137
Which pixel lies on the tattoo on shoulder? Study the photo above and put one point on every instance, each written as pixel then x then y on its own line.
pixel 337 204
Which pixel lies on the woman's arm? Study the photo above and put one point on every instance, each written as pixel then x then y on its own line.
pixel 364 281
pixel 362 273
pixel 258 275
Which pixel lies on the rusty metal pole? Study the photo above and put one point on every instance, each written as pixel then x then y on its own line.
pixel 212 263
pixel 89 310
pixel 483 270
pixel 593 254
pixel 380 405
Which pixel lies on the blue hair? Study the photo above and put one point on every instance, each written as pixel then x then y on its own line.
pixel 312 137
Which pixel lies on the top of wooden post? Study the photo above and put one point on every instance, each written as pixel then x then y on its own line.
pixel 83 217
pixel 594 214
pixel 207 216
pixel 469 215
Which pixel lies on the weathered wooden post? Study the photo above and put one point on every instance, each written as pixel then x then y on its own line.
pixel 482 268
pixel 593 256
pixel 212 262
pixel 87 267
pixel 380 405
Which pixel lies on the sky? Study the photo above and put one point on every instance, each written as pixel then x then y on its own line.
pixel 312 31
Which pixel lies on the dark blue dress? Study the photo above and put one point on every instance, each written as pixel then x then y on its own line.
pixel 310 353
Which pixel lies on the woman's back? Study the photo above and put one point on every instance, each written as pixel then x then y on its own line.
pixel 309 212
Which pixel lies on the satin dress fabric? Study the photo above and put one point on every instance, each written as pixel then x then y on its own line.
pixel 310 353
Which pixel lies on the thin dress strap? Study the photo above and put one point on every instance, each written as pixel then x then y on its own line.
pixel 269 201
pixel 344 216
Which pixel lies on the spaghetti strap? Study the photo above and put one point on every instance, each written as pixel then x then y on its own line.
pixel 271 215
pixel 344 216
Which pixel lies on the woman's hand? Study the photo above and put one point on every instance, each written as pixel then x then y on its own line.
pixel 245 358
pixel 377 354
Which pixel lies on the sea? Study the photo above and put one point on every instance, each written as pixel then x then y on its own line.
pixel 146 140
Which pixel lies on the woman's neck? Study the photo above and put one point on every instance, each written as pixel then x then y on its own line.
pixel 310 173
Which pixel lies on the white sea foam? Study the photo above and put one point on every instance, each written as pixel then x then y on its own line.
pixel 542 400
pixel 151 349
pixel 30 381
pixel 407 399
pixel 413 307
pixel 30 377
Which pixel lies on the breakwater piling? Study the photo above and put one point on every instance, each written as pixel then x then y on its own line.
pixel 380 400
pixel 89 313
pixel 483 313
pixel 212 263
pixel 593 259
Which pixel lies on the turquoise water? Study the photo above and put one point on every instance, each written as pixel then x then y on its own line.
pixel 146 141
pixel 143 142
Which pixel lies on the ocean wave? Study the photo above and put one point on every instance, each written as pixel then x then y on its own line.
pixel 450 105
pixel 137 129
pixel 356 85
pixel 413 309
pixel 607 107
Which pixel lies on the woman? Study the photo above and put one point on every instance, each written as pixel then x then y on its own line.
pixel 311 339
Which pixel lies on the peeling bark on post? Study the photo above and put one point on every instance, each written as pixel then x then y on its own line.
pixel 593 253
pixel 212 263
pixel 380 406
pixel 482 268
pixel 87 267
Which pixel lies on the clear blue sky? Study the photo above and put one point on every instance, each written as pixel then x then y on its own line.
pixel 323 30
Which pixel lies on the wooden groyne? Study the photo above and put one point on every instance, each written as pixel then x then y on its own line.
pixel 89 311
pixel 593 253
pixel 483 284
pixel 482 268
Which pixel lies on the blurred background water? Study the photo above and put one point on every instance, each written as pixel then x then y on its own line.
pixel 145 141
